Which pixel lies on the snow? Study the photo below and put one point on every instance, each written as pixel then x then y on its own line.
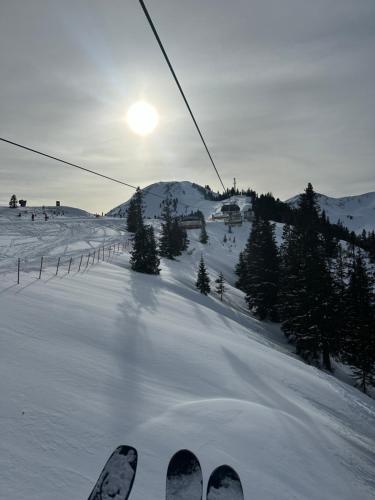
pixel 108 357
pixel 355 212
pixel 190 199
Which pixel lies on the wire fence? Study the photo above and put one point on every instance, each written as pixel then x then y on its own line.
pixel 49 266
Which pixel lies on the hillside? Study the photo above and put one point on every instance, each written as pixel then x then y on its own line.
pixel 108 356
pixel 355 212
pixel 190 198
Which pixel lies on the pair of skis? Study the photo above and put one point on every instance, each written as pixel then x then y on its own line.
pixel 184 478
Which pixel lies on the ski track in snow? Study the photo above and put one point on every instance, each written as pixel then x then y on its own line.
pixel 110 357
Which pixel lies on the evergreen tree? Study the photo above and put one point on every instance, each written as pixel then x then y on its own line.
pixel 220 286
pixel 179 239
pixel 262 270
pixel 166 241
pixel 135 211
pixel 173 238
pixel 203 237
pixel 144 258
pixel 13 201
pixel 291 281
pixel 359 344
pixel 241 272
pixel 203 280
pixel 309 287
pixel 338 302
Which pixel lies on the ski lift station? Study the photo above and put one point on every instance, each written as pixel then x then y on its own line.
pixel 191 222
pixel 233 214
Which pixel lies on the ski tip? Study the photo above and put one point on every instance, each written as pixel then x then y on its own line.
pixel 224 483
pixel 117 477
pixel 184 477
pixel 183 462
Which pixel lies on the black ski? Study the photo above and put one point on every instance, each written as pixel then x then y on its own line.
pixel 116 480
pixel 224 484
pixel 184 477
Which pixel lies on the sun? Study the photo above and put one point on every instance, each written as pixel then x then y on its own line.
pixel 142 118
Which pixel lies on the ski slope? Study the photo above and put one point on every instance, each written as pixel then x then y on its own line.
pixel 107 356
pixel 70 235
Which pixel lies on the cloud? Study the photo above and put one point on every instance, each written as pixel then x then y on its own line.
pixel 283 91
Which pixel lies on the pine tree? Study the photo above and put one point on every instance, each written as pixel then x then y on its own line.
pixel 203 280
pixel 135 211
pixel 13 201
pixel 338 302
pixel 203 237
pixel 166 243
pixel 359 343
pixel 173 239
pixel 220 285
pixel 262 270
pixel 241 272
pixel 144 258
pixel 308 288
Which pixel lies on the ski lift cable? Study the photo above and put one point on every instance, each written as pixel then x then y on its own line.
pixel 75 165
pixel 179 87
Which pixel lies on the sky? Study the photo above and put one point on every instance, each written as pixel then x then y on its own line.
pixel 284 92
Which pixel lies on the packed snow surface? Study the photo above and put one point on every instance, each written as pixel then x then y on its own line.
pixel 105 356
pixel 355 212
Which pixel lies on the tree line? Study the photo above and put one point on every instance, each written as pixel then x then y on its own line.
pixel 173 238
pixel 321 292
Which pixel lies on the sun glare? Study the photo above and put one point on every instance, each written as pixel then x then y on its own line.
pixel 142 118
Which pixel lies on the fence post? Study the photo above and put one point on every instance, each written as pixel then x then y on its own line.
pixel 58 264
pixel 80 262
pixel 18 271
pixel 41 267
pixel 70 263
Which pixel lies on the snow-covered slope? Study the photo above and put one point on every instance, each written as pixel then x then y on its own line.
pixel 108 357
pixel 9 214
pixel 190 196
pixel 68 231
pixel 355 212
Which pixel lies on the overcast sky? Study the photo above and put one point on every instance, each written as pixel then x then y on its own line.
pixel 284 92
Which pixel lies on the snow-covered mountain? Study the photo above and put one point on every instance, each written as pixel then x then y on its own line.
pixel 355 212
pixel 190 198
pixel 107 356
